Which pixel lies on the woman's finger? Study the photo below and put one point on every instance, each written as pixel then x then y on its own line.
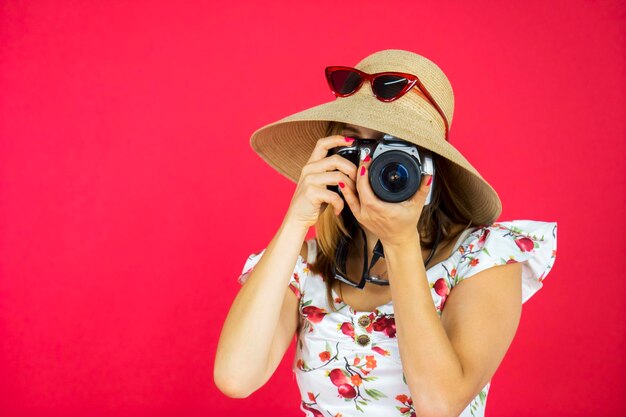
pixel 422 191
pixel 334 162
pixel 322 195
pixel 363 186
pixel 323 145
pixel 349 195
pixel 326 178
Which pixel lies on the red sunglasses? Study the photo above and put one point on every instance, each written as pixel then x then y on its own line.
pixel 386 86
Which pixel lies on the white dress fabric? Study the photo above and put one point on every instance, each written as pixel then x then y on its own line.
pixel 347 363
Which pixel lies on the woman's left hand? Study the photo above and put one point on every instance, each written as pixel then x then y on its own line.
pixel 393 223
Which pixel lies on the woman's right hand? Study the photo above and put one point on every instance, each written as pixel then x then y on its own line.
pixel 321 171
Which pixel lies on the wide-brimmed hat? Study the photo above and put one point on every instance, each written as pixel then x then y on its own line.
pixel 287 144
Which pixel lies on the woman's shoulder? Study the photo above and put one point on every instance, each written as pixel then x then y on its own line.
pixel 514 231
pixel 531 242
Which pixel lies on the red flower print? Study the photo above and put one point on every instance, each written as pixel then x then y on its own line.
pixel 442 304
pixel 370 361
pixel 402 398
pixel 525 244
pixel 379 324
pixel 338 377
pixel 356 380
pixel 387 325
pixel 315 412
pixel 441 287
pixel 309 407
pixel 380 350
pixel 356 360
pixel 483 237
pixel 408 403
pixel 324 356
pixel 314 314
pixel 295 290
pixel 348 329
pixel 391 328
pixel 300 364
pixel 474 262
pixel 346 391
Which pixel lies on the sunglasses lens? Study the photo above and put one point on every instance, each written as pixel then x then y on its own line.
pixel 341 275
pixel 389 86
pixel 345 81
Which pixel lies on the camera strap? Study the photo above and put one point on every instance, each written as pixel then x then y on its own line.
pixel 341 253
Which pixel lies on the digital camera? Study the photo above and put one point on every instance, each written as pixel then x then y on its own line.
pixel 397 166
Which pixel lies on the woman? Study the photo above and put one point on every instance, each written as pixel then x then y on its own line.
pixel 366 297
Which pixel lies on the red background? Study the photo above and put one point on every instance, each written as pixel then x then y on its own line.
pixel 130 197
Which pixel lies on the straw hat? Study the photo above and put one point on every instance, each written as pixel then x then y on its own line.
pixel 287 144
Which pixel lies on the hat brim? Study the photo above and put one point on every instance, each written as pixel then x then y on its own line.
pixel 287 144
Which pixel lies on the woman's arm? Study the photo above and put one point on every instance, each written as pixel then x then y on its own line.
pixel 245 344
pixel 287 326
pixel 243 362
pixel 448 361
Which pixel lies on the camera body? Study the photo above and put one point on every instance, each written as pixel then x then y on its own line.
pixel 397 166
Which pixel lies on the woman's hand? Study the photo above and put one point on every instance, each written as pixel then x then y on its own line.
pixel 320 171
pixel 393 223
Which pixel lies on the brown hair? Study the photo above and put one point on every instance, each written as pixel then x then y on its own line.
pixel 445 212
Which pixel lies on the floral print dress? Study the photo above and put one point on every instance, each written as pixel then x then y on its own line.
pixel 347 363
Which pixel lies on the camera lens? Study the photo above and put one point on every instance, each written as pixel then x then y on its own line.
pixel 394 177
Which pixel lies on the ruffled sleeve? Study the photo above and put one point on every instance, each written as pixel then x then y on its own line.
pixel 531 242
pixel 296 282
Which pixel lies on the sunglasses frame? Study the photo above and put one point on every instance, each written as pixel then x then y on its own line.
pixel 413 81
pixel 340 276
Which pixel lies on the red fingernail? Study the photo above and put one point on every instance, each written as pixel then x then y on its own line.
pixel 349 139
pixel 341 184
pixel 362 171
pixel 367 158
pixel 429 180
